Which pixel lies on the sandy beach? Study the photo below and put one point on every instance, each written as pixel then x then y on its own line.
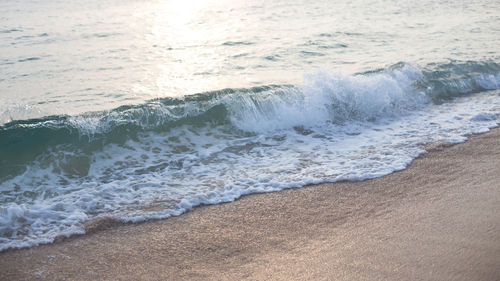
pixel 437 220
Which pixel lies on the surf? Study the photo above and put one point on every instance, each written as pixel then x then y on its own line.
pixel 162 157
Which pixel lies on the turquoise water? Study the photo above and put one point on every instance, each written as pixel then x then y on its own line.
pixel 133 110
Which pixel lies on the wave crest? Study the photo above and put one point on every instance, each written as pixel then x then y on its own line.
pixel 321 98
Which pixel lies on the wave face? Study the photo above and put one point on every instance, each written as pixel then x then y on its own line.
pixel 163 157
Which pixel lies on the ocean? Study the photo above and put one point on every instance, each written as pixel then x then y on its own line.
pixel 136 110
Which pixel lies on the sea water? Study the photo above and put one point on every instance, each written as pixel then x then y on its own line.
pixel 136 110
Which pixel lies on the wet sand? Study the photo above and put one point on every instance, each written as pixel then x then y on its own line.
pixel 437 220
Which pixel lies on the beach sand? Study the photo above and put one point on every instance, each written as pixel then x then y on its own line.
pixel 437 220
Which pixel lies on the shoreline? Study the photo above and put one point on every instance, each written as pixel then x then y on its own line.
pixel 335 230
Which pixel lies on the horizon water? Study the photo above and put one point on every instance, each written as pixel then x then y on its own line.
pixel 138 110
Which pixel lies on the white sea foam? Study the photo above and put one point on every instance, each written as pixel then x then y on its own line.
pixel 325 98
pixel 161 174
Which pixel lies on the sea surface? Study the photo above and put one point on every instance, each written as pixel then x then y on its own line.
pixel 135 110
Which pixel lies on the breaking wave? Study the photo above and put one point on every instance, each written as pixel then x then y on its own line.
pixel 162 157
